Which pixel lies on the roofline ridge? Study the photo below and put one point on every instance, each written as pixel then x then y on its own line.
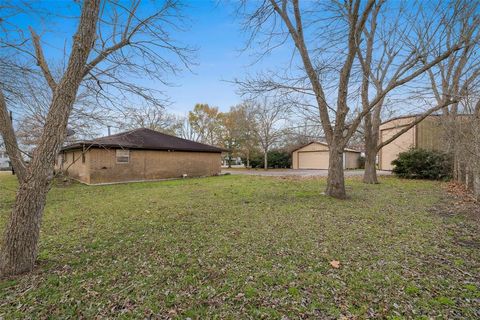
pixel 106 141
pixel 171 135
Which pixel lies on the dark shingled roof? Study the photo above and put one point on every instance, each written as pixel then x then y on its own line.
pixel 145 139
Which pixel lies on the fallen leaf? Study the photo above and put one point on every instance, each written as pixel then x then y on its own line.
pixel 335 264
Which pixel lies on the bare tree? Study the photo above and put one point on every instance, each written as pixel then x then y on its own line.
pixel 459 77
pixel 269 119
pixel 404 48
pixel 467 148
pixel 185 130
pixel 326 37
pixel 85 121
pixel 152 117
pixel 301 132
pixel 111 40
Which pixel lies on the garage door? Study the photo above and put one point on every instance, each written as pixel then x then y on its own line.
pixel 313 160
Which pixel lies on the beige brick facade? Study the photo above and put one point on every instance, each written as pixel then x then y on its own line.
pixel 99 166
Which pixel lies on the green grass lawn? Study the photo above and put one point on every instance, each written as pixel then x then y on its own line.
pixel 235 247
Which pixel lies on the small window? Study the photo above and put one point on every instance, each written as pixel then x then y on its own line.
pixel 83 157
pixel 64 157
pixel 123 156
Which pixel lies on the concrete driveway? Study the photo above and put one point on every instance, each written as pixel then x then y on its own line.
pixel 296 172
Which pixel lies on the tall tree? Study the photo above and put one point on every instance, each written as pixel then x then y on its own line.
pixel 230 134
pixel 152 117
pixel 246 123
pixel 269 118
pixel 393 49
pixel 86 119
pixel 238 135
pixel 326 37
pixel 458 78
pixel 205 121
pixel 185 130
pixel 108 39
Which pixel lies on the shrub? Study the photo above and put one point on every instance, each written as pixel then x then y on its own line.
pixel 361 162
pixel 276 159
pixel 423 164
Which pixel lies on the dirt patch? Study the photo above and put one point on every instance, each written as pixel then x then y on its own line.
pixel 462 202
pixel 461 213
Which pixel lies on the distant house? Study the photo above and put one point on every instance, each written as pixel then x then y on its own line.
pixel 138 155
pixel 4 160
pixel 234 161
pixel 428 134
pixel 315 155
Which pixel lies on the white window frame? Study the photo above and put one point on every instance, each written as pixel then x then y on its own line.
pixel 122 153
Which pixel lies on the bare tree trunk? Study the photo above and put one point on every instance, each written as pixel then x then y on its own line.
pixel 20 243
pixel 265 160
pixel 248 159
pixel 462 173
pixel 370 174
pixel 469 176
pixel 10 141
pixel 336 179
pixel 371 146
pixel 19 250
pixel 476 185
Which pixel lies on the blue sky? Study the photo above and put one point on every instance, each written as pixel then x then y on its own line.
pixel 217 35
pixel 216 32
pixel 213 30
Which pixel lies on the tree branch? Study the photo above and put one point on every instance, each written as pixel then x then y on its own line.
pixel 394 83
pixel 41 62
pixel 415 122
pixel 10 141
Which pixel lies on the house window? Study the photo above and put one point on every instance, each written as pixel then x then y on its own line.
pixel 83 157
pixel 123 156
pixel 64 157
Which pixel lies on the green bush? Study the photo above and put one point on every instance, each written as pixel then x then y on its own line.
pixel 423 164
pixel 276 159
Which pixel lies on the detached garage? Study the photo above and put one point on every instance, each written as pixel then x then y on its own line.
pixel 315 156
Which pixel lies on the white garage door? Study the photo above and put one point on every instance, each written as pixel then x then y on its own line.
pixel 313 160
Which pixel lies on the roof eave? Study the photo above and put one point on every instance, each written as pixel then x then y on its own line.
pixel 78 146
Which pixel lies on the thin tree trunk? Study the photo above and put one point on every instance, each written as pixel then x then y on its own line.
pixel 10 141
pixel 248 159
pixel 462 173
pixel 371 143
pixel 469 177
pixel 336 179
pixel 476 185
pixel 265 160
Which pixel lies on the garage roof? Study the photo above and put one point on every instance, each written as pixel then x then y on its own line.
pixel 325 144
pixel 145 139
